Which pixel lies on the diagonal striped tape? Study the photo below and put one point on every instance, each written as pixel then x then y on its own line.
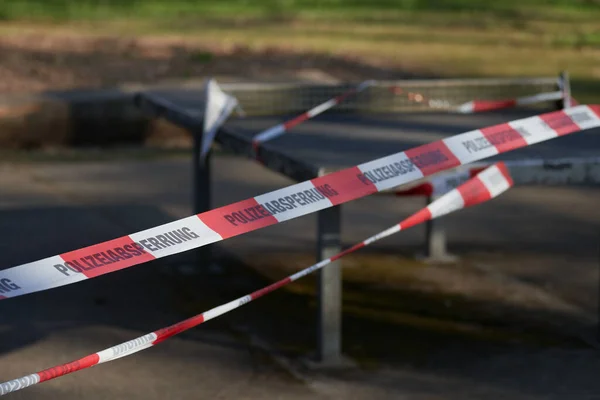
pixel 292 201
pixel 488 184
pixel 280 129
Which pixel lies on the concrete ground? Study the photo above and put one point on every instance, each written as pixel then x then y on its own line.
pixel 539 240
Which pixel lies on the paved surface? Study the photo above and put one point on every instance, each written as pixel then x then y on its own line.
pixel 547 237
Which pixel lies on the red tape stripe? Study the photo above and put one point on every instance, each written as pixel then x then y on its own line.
pixel 419 217
pixel 106 257
pixel 489 105
pixel 69 367
pixel 296 121
pixel 346 185
pixel 474 192
pixel 560 122
pixel 504 137
pixel 433 157
pixel 238 218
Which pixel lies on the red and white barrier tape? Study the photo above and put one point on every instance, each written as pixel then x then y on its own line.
pixel 489 105
pixel 475 106
pixel 293 201
pixel 280 129
pixel 485 186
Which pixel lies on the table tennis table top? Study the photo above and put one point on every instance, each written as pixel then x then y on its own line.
pixel 334 140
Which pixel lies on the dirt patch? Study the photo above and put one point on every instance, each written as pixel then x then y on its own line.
pixel 39 62
pixel 430 307
pixel 371 272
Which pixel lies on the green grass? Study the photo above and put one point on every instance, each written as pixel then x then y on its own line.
pixel 94 9
pixel 456 38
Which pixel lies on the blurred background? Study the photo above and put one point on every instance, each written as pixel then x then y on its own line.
pixel 60 43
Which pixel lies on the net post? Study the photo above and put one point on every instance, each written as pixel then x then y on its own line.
pixel 436 240
pixel 565 87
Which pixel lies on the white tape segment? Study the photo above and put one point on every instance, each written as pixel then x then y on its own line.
pixel 487 185
pixel 293 201
pixel 280 129
pixel 219 106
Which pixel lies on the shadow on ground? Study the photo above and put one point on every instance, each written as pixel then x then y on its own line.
pixel 140 299
pixel 417 329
